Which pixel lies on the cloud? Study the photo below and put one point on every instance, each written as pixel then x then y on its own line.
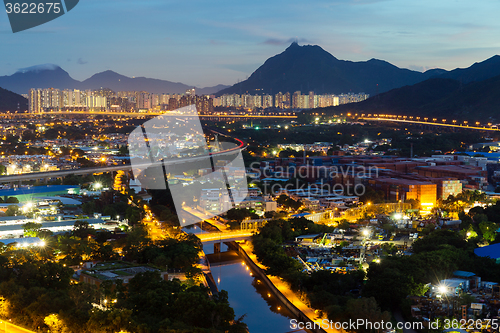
pixel 280 42
pixel 80 61
pixel 419 68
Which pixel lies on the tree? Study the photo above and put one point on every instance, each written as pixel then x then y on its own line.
pixel 239 214
pixel 4 307
pixel 367 309
pixel 373 196
pixel 85 162
pixel 82 229
pixel 133 215
pixel 123 150
pixel 288 203
pixel 115 320
pixel 31 229
pixel 89 207
pixel 12 210
pixel 236 214
pixel 12 200
pixel 488 229
pixel 344 225
pixel 415 203
pixel 389 248
pixel 54 323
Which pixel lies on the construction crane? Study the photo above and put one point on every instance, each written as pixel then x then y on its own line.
pixel 323 241
pixel 306 266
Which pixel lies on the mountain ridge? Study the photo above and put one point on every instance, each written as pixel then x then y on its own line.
pixel 311 68
pixel 10 101
pixel 53 76
pixel 435 98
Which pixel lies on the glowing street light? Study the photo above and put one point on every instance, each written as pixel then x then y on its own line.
pixel 27 207
pixel 442 289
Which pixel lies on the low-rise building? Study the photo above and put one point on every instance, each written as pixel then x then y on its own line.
pixel 113 271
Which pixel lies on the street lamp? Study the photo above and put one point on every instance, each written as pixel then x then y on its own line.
pixel 442 289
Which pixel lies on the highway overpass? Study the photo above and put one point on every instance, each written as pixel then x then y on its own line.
pixel 228 235
pixel 433 123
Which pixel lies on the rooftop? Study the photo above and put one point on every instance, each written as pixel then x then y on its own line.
pixel 116 270
pixel 491 251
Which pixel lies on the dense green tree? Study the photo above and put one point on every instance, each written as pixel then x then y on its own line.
pixel 31 229
pixel 12 200
pixel 372 196
pixel 83 229
pixel 12 210
pixel 288 203
pixel 488 230
pixel 89 207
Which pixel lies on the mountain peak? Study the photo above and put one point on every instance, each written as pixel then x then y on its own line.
pixel 109 72
pixel 293 45
pixel 39 68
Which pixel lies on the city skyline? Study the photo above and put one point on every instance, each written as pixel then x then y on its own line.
pixel 266 166
pixel 199 45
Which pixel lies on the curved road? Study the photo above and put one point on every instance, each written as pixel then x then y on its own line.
pixel 8 327
pixel 124 167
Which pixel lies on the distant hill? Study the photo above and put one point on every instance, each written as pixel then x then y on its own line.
pixel 42 76
pixel 118 82
pixel 10 101
pixel 53 76
pixel 310 68
pixel 479 71
pixel 436 97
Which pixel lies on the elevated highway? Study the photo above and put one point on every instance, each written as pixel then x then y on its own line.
pixel 46 175
pixel 433 123
pixel 227 235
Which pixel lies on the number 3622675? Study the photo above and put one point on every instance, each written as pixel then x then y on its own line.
pixel 33 8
